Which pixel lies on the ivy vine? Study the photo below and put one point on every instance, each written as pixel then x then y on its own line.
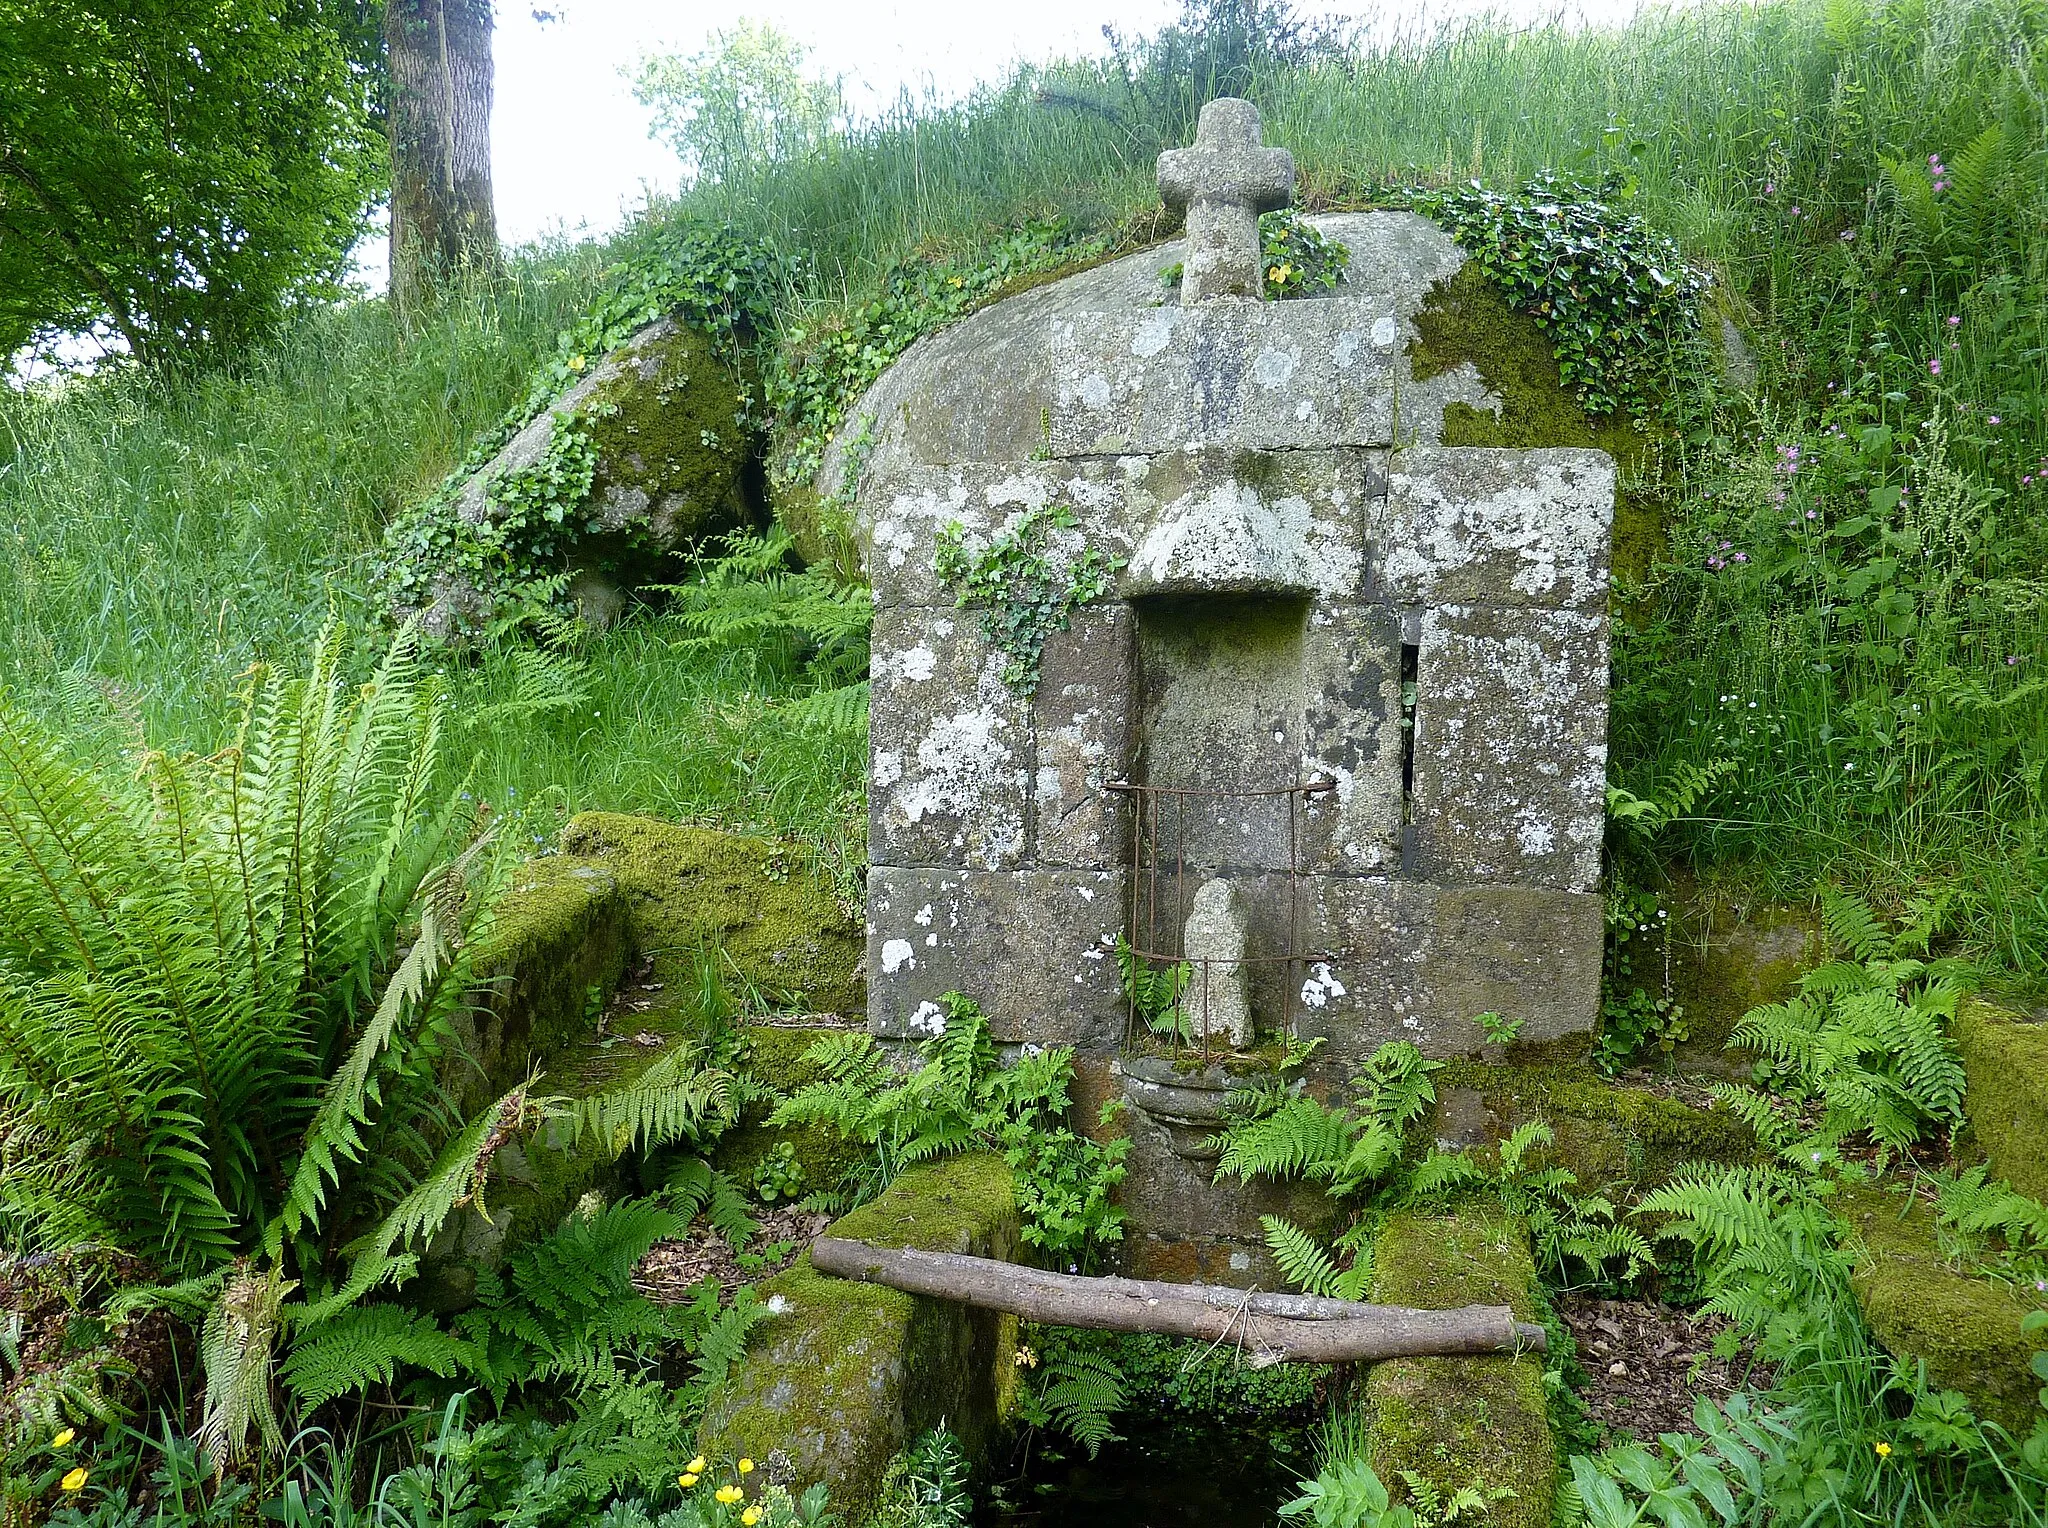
pixel 1021 593
pixel 1607 291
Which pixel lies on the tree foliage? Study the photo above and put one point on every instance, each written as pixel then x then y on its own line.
pixel 175 173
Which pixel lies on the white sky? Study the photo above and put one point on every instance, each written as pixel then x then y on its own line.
pixel 570 145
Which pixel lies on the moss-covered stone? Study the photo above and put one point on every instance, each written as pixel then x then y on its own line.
pixel 775 1056
pixel 2006 1060
pixel 1966 1330
pixel 1730 954
pixel 1462 1421
pixel 1611 1135
pixel 851 1372
pixel 761 903
pixel 558 937
pixel 674 449
pixel 1466 319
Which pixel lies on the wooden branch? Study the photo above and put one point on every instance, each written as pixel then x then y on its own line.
pixel 1267 1328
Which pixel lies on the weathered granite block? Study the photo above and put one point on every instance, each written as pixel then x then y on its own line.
pixel 1524 952
pixel 1351 733
pixel 905 511
pixel 1258 375
pixel 1482 527
pixel 1511 746
pixel 949 746
pixel 1035 948
pixel 1211 521
pixel 1373 987
pixel 1082 720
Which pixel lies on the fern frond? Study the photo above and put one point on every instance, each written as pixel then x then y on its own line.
pixel 1854 927
pixel 365 1346
pixel 235 1350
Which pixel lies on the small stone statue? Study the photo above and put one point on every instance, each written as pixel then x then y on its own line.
pixel 1225 181
pixel 1214 944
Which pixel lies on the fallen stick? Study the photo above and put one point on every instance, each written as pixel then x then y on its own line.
pixel 1285 1331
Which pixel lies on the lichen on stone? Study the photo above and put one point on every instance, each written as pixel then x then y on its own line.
pixel 1467 319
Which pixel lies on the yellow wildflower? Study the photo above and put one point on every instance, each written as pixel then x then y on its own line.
pixel 75 1481
pixel 730 1494
pixel 751 1516
pixel 1884 1451
pixel 957 282
pixel 746 1466
pixel 686 1480
pixel 63 1439
pixel 576 363
pixel 1025 1359
pixel 696 1466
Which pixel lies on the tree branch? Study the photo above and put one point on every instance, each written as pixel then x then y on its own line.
pixel 1269 1328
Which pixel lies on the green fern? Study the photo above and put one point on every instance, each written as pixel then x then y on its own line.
pixel 1307 1266
pixel 366 1346
pixel 1080 1388
pixel 193 951
pixel 724 1342
pixel 695 1186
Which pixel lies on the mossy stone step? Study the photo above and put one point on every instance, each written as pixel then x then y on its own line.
pixel 1609 1134
pixel 1459 1422
pixel 850 1373
pixel 760 903
pixel 1920 1306
pixel 2006 1060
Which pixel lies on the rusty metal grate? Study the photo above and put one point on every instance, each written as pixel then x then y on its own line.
pixel 1157 923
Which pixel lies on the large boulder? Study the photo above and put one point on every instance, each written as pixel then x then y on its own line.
pixel 652 452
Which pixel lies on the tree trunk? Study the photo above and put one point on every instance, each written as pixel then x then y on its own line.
pixel 1269 1329
pixel 442 217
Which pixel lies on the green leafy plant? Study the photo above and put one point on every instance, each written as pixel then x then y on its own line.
pixel 925 1486
pixel 1609 293
pixel 1347 1147
pixel 1156 992
pixel 1498 1030
pixel 1349 1494
pixel 1298 261
pixel 1863 1038
pixel 960 1099
pixel 1687 1480
pixel 1565 1226
pixel 1021 593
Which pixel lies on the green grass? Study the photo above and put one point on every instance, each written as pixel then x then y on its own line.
pixel 157 538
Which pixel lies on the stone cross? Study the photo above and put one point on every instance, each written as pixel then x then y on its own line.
pixel 1225 181
pixel 1214 942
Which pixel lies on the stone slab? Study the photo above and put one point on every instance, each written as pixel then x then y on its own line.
pixel 1084 729
pixel 949 745
pixel 904 512
pixel 1511 746
pixel 1035 948
pixel 1483 527
pixel 1459 1422
pixel 1232 521
pixel 1524 952
pixel 846 1375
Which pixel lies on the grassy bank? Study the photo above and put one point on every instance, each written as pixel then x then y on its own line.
pixel 1863 683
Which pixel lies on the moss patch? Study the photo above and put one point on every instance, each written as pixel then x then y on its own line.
pixel 1467 319
pixel 1966 1330
pixel 1462 1421
pixel 762 903
pixel 672 438
pixel 2007 1064
pixel 559 932
pixel 852 1372
pixel 1610 1135
pixel 774 1056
